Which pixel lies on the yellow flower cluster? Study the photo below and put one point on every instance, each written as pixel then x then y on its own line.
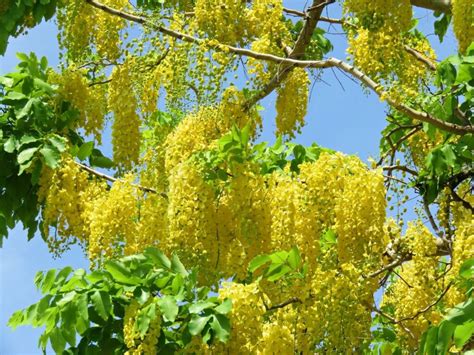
pixel 126 126
pixel 64 194
pixel 420 145
pixel 233 22
pixel 137 345
pixel 463 23
pixel 278 333
pixel 81 26
pixel 339 314
pixel 246 316
pixel 417 286
pixel 192 218
pixel 112 218
pixel 292 102
pixel 360 216
pixel 90 101
pixel 222 20
pixel 243 219
pixel 198 130
pixel 463 245
pixel 377 45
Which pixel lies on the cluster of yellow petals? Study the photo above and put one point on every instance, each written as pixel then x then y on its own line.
pixel 112 222
pixel 233 21
pixel 136 344
pixel 89 101
pixel 81 27
pixel 198 130
pixel 292 102
pixel 421 281
pixel 122 103
pixel 463 23
pixel 247 313
pixel 378 45
pixel 64 194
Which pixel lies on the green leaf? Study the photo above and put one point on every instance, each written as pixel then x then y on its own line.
pixel 58 142
pixel 294 258
pixel 16 319
pixel 57 340
pixel 158 257
pixel 462 312
pixel 48 281
pixel 144 317
pixel 85 150
pixel 463 333
pixel 430 341
pixel 278 273
pixel 121 273
pixel 441 26
pixel 168 307
pixel 177 266
pixel 101 303
pixel 26 155
pixel 258 261
pixel 39 279
pixel 51 156
pixel 199 306
pixel 197 324
pixel 99 160
pixel 82 320
pixel 467 269
pixel 221 327
pixel 445 333
pixel 10 145
pixel 225 307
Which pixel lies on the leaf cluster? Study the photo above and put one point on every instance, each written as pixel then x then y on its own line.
pixel 18 15
pixel 236 148
pixel 84 313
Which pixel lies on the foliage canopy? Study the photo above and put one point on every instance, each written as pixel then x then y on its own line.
pixel 300 234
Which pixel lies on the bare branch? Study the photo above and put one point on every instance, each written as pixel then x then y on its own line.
pixel 284 304
pixel 299 50
pixel 401 168
pixel 435 5
pixel 430 218
pixel 421 57
pixel 393 320
pixel 112 179
pixel 427 308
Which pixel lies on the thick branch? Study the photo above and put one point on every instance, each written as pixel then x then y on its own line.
pixel 311 19
pixel 328 63
pixel 435 5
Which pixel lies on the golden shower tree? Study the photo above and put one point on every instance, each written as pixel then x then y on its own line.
pixel 300 234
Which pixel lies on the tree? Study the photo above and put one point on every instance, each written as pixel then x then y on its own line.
pixel 301 234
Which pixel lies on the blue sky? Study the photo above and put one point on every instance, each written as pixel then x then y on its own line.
pixel 343 119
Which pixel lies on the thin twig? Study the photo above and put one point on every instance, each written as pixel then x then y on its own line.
pixel 284 304
pixel 393 320
pixel 427 308
pixel 401 168
pixel 112 179
pixel 435 227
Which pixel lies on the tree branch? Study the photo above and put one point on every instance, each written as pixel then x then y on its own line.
pixel 427 308
pixel 112 179
pixel 435 5
pixel 401 168
pixel 283 304
pixel 328 63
